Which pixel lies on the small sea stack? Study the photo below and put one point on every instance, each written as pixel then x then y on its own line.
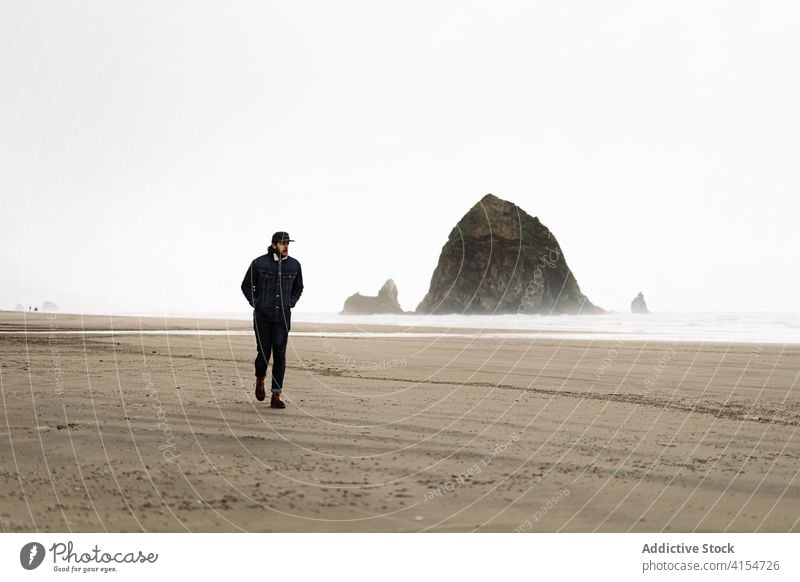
pixel 638 305
pixel 385 302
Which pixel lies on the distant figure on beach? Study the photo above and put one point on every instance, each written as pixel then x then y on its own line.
pixel 272 285
pixel 638 304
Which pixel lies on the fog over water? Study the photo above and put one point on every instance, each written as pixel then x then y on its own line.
pixel 148 151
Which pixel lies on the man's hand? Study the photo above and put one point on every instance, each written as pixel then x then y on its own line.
pixel 297 289
pixel 248 288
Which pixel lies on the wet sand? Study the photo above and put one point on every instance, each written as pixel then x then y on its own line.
pixel 163 433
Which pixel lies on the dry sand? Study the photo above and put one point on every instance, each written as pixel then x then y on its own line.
pixel 163 433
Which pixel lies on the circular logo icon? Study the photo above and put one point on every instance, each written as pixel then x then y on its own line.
pixel 31 555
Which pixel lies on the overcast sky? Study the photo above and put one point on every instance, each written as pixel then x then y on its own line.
pixel 148 150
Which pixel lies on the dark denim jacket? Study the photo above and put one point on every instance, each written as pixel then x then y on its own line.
pixel 261 289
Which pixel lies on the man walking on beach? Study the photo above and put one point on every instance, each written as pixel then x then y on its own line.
pixel 272 285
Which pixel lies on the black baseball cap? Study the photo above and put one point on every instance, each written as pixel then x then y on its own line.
pixel 281 236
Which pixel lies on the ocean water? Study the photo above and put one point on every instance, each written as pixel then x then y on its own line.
pixel 740 327
pixel 759 327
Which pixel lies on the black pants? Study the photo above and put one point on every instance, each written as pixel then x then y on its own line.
pixel 271 338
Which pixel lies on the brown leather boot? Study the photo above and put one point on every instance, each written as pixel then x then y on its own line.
pixel 276 401
pixel 261 392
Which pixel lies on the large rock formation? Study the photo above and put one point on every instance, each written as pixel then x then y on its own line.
pixel 499 259
pixel 385 302
pixel 49 306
